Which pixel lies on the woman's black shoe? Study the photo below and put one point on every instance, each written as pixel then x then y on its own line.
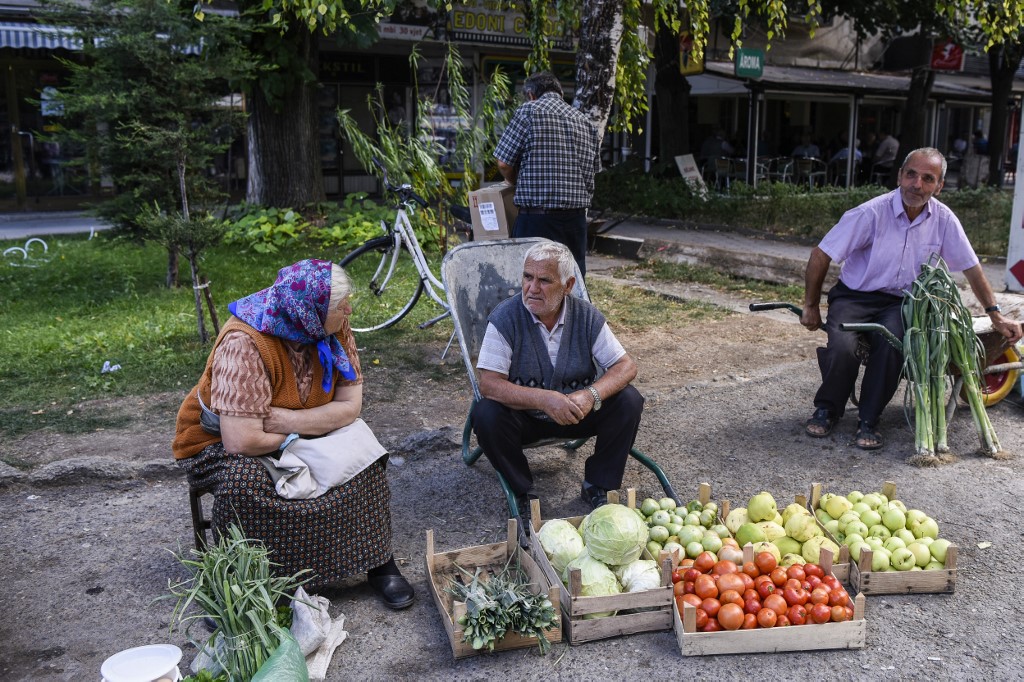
pixel 394 590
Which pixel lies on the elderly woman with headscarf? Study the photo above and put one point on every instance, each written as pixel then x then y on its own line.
pixel 285 365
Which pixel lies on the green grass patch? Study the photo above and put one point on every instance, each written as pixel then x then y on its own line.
pixel 634 309
pixel 754 289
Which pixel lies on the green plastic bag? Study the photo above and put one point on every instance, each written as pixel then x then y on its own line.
pixel 286 664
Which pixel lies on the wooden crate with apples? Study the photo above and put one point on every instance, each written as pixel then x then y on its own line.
pixel 867 581
pixel 851 634
pixel 441 569
pixel 645 611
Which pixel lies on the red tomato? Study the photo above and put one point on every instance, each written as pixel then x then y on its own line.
pixel 797 596
pixel 796 571
pixel 797 614
pixel 767 618
pixel 679 589
pixel 712 626
pixel 730 597
pixel 839 614
pixel 783 621
pixel 731 581
pixel 814 581
pixel 690 574
pixel 752 605
pixel 686 563
pixel 776 603
pixel 677 575
pixel 831 581
pixel 793 584
pixel 724 567
pixel 839 597
pixel 679 606
pixel 688 588
pixel 750 568
pixel 779 576
pixel 765 562
pixel 747 580
pixel 704 562
pixel 749 621
pixel 819 596
pixel 821 613
pixel 704 586
pixel 711 607
pixel 765 588
pixel 702 618
pixel 691 599
pixel 730 617
pixel 750 594
pixel 814 569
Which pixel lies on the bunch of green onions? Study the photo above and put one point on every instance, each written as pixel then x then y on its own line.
pixel 939 331
pixel 232 583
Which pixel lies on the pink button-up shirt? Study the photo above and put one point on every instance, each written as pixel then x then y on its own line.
pixel 882 250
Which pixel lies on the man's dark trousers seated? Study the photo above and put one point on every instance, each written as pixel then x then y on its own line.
pixel 502 432
pixel 841 364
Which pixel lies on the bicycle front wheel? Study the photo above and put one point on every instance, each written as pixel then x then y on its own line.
pixel 379 301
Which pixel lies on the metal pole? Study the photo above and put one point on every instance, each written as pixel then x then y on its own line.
pixel 1015 252
pixel 753 117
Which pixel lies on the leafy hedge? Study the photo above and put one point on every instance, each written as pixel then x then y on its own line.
pixel 784 209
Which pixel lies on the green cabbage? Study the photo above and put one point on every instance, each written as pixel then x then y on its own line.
pixel 596 579
pixel 640 575
pixel 615 535
pixel 561 542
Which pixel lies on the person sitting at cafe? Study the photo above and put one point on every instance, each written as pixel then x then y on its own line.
pixel 550 367
pixel 806 148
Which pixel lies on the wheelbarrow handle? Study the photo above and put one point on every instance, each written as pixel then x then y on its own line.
pixel 776 305
pixel 872 327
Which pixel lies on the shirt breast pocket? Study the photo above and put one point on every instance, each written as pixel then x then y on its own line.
pixel 928 251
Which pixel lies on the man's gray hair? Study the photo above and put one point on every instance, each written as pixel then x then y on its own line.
pixel 560 253
pixel 928 151
pixel 542 83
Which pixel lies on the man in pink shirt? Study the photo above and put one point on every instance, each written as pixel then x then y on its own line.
pixel 882 244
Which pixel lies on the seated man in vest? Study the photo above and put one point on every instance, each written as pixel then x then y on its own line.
pixel 541 364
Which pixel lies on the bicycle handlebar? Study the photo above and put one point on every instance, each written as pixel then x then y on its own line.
pixel 776 305
pixel 404 192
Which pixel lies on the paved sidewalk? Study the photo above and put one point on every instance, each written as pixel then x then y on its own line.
pixel 42 224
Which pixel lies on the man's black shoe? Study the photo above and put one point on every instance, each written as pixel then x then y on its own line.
pixel 594 496
pixel 394 590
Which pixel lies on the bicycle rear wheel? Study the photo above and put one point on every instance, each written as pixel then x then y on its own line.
pixel 378 301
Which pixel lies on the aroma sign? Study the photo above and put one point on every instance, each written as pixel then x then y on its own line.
pixel 749 63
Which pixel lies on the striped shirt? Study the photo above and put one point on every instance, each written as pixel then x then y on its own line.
pixel 558 153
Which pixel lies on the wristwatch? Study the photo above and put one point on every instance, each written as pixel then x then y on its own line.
pixel 993 309
pixel 597 398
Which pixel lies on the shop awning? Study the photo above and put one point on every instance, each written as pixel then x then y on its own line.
pixel 37 36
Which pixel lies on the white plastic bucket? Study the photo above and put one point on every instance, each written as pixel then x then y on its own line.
pixel 143 664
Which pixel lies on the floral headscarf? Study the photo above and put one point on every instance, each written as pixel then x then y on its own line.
pixel 295 308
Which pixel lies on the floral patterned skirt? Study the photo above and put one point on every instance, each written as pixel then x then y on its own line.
pixel 345 531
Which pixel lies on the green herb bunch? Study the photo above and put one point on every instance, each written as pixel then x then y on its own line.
pixel 233 584
pixel 502 604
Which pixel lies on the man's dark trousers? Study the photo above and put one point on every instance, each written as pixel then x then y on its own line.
pixel 502 432
pixel 840 363
pixel 569 228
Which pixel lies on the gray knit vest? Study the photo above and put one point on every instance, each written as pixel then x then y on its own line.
pixel 574 368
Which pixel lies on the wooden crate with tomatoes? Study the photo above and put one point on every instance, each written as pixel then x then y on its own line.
pixel 444 567
pixel 777 618
pixel 916 562
pixel 649 610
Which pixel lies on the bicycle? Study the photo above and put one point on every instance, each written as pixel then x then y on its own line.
pixel 385 286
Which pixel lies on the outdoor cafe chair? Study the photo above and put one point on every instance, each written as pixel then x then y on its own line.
pixel 477 277
pixel 812 171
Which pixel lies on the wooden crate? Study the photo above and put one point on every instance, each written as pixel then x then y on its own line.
pixel 575 606
pixel 866 581
pixel 849 635
pixel 441 567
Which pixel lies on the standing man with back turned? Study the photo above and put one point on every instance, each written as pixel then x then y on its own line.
pixel 550 152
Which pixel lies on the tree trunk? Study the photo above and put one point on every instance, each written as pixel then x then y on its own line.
pixel 597 56
pixel 672 92
pixel 915 115
pixel 284 144
pixel 1003 61
pixel 172 267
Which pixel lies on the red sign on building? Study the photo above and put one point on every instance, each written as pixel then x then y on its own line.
pixel 947 56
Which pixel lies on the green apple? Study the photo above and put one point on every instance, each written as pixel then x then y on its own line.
pixel 879 559
pixel 661 518
pixel 860 508
pixel 833 527
pixel 903 559
pixel 649 506
pixel 894 519
pixel 938 548
pixel 882 497
pixel 927 528
pixel 880 531
pixel 855 496
pixel 762 507
pixel 667 503
pixel 850 539
pixel 894 543
pixel 856 548
pixel 836 506
pixel 926 541
pixel 915 516
pixel 870 517
pixel 905 535
pixel 846 519
pixel 934 566
pixel 922 554
pixel 898 505
pixel 821 514
pixel 874 542
pixel 856 528
pixel 872 500
pixel 659 534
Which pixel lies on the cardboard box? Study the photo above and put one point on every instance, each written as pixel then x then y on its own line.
pixel 493 212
